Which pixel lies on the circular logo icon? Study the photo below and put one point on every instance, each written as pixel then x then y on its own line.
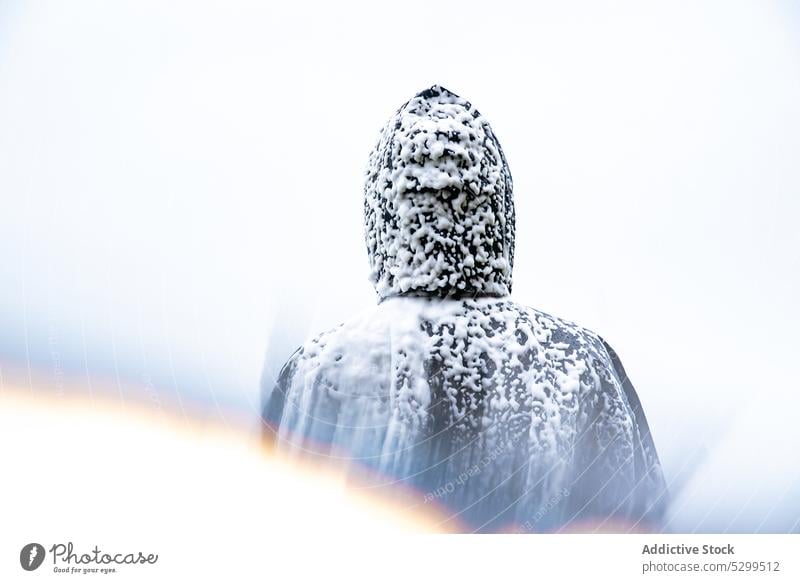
pixel 31 556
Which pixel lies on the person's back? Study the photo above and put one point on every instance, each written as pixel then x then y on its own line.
pixel 503 415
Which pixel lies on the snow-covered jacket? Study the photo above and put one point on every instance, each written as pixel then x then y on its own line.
pixel 504 416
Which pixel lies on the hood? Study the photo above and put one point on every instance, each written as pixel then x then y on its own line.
pixel 438 208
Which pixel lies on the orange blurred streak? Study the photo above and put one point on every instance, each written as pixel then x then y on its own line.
pixel 71 398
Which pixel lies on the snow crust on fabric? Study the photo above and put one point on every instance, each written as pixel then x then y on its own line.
pixel 503 415
pixel 438 209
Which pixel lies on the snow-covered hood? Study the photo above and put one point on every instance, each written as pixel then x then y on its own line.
pixel 438 208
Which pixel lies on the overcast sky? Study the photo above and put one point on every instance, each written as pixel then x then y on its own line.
pixel 181 185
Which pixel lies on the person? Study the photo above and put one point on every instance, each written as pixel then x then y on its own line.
pixel 504 416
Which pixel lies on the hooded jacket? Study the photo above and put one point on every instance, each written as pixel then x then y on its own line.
pixel 504 416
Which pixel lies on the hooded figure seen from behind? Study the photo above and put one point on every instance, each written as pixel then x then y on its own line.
pixel 505 417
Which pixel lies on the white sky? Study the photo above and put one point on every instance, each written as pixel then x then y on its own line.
pixel 179 183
